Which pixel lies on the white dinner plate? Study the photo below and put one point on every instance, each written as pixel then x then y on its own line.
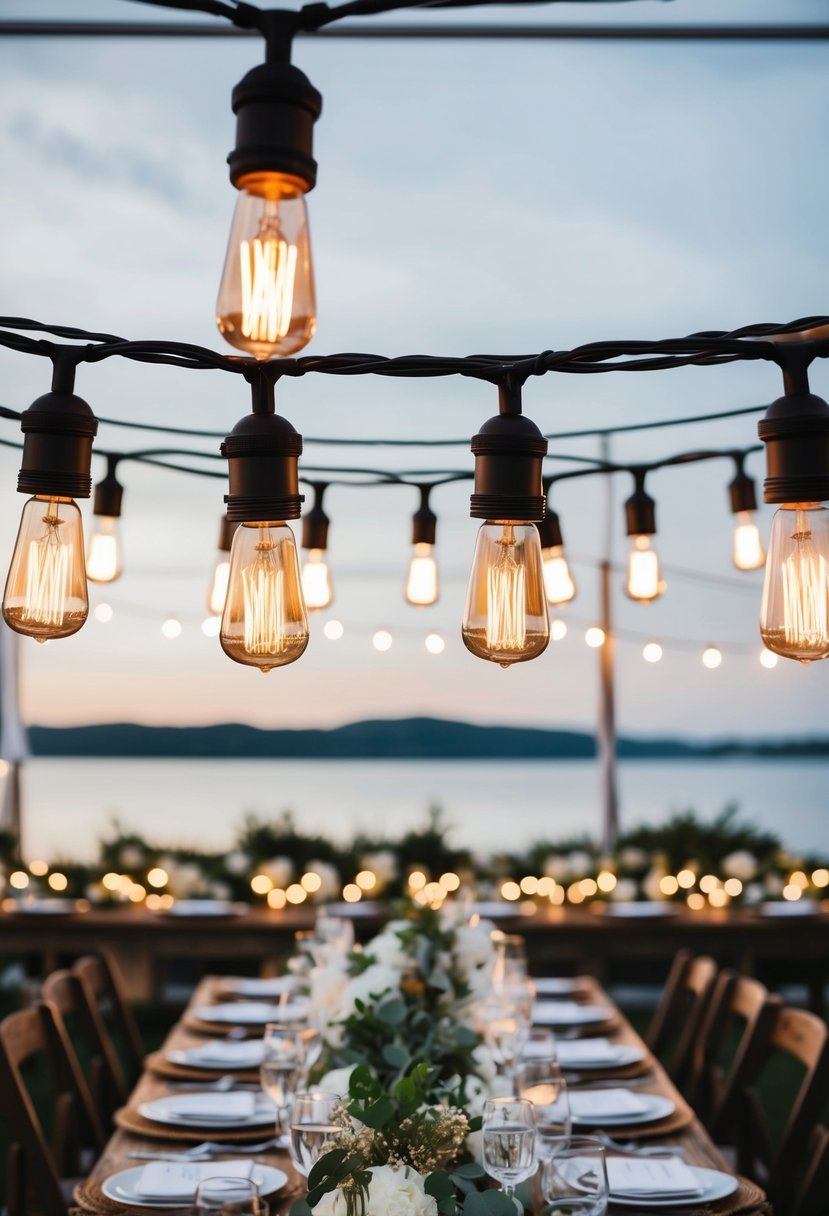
pixel 162 1110
pixel 716 1184
pixel 121 1187
pixel 45 907
pixel 205 907
pixel 250 1013
pixel 793 907
pixel 557 985
pixel 566 1013
pixel 623 1054
pixel 258 989
pixel 494 909
pixel 655 1107
pixel 196 1057
pixel 644 908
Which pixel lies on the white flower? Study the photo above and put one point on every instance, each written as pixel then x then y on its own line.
pixel 624 891
pixel 387 947
pixel 393 1191
pixel 237 863
pixel 330 881
pixel 280 870
pixel 376 981
pixel 741 864
pixel 383 865
pixel 336 1081
pixel 328 985
pixel 473 947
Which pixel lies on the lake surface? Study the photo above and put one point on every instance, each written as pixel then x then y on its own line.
pixel 70 804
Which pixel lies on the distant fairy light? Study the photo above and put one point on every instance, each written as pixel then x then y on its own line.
pixel 712 657
pixel 768 659
pixel 210 626
pixel 652 652
pixel 171 628
pixel 333 630
pixel 595 637
pixel 435 643
pixel 104 614
pixel 382 640
pixel 558 629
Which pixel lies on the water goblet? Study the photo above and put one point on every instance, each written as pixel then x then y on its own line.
pixel 313 1127
pixel 338 930
pixel 228 1197
pixel 505 1031
pixel 574 1179
pixel 542 1083
pixel 509 1143
pixel 281 1068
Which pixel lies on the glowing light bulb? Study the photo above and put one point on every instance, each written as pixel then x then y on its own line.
pixel 103 560
pixel 768 659
pixel 712 657
pixel 794 620
pixel 747 552
pixel 505 620
pixel 264 623
pixel 333 630
pixel 644 582
pixel 595 637
pixel 435 643
pixel 266 304
pixel 558 629
pixel 217 593
pixel 558 581
pixel 422 586
pixel 46 595
pixel 382 640
pixel 317 586
pixel 651 652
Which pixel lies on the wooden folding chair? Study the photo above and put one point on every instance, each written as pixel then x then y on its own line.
pixel 86 1028
pixel 102 978
pixel 813 1195
pixel 679 1014
pixel 40 1173
pixel 740 1016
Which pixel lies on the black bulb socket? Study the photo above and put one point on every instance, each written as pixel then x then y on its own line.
pixel 549 531
pixel 227 531
pixel 640 513
pixel 742 492
pixel 262 454
pixel 109 496
pixel 424 521
pixel 315 522
pixel 276 107
pixel 509 450
pixel 58 430
pixel 795 430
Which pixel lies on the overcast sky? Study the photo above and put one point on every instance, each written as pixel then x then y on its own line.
pixel 472 197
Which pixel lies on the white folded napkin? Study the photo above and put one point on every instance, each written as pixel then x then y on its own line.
pixel 601 1104
pixel 572 1052
pixel 216 1107
pixel 241 1013
pixel 555 1013
pixel 655 1177
pixel 171 1180
pixel 248 1053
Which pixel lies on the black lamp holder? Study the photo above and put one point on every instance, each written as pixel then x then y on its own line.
pixel 109 493
pixel 58 430
pixel 262 452
pixel 276 107
pixel 424 520
pixel 742 490
pixel 640 508
pixel 509 450
pixel 315 522
pixel 227 531
pixel 549 529
pixel 795 430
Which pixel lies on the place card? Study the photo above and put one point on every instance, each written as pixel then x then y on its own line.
pixel 598 1104
pixel 653 1177
pixel 170 1180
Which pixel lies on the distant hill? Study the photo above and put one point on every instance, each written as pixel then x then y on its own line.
pixel 386 739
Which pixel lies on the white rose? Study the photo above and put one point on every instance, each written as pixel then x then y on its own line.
pixel 336 1081
pixel 388 950
pixel 376 981
pixel 393 1191
pixel 328 985
pixel 237 863
pixel 473 947
pixel 624 892
pixel 330 881
pixel 741 864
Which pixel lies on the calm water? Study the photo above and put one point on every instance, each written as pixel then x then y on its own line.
pixel 70 804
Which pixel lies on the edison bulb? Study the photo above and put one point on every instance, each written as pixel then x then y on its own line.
pixel 794 620
pixel 422 584
pixel 46 594
pixel 559 586
pixel 644 581
pixel 747 552
pixel 266 304
pixel 217 592
pixel 103 561
pixel 505 619
pixel 264 623
pixel 317 586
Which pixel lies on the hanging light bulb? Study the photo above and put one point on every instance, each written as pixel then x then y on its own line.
pixel 644 579
pixel 266 304
pixel 317 585
pixel 217 591
pixel 103 559
pixel 794 618
pixel 264 623
pixel 46 595
pixel 505 619
pixel 559 586
pixel 747 549
pixel 422 586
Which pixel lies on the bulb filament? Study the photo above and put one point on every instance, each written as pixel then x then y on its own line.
pixel 506 625
pixel 49 573
pixel 805 600
pixel 264 600
pixel 268 269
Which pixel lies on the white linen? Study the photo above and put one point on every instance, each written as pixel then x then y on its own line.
pixel 572 1052
pixel 216 1107
pixel 605 1104
pixel 667 1177
pixel 220 1053
pixel 171 1180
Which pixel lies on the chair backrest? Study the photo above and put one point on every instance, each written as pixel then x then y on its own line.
pixel 31 1037
pixel 681 1009
pixel 102 978
pixel 798 1041
pixel 740 1016
pixel 813 1195
pixel 86 1028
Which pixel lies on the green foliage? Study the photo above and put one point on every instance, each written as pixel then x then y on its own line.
pixel 685 837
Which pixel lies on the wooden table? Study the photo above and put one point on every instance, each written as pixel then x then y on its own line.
pixel 691 1138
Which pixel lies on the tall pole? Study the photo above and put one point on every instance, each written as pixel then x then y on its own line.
pixel 607 659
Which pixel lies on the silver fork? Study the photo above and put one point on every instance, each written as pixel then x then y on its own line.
pixel 221 1085
pixel 210 1148
pixel 633 1149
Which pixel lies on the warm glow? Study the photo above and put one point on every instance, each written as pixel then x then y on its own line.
pixel 352 893
pixel 505 618
pixel 317 587
pixel 718 898
pixel 792 891
pixel 708 883
pixel 546 886
pixel 558 581
pixel 171 628
pixel 799 879
pixel 696 902
pixel 46 591
pixel 422 588
pixel 58 881
pixel 333 630
pixel 382 640
pixel 296 894
pixel 103 613
pixel 712 658
pixel 606 881
pixel 820 878
pixel 510 890
pixel 154 902
pixel 103 558
pixel 260 884
pixel 19 879
pixel 558 629
pixel 733 887
pixel 595 637
pixel 210 626
pixel 747 552
pixel 557 896
pixel 157 877
pixel 575 893
pixel 652 652
pixel 264 623
pixel 768 659
pixel 794 620
pixel 668 885
pixel 38 868
pixel 588 887
pixel 529 885
pixel 417 880
pixel 686 879
pixel 366 880
pixel 277 899
pixel 435 643
pixel 111 881
pixel 644 582
pixel 450 881
pixel 217 594
pixel 311 881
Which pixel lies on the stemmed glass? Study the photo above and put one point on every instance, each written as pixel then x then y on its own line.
pixel 510 959
pixel 542 1083
pixel 313 1130
pixel 509 1141
pixel 574 1179
pixel 281 1068
pixel 228 1197
pixel 337 930
pixel 506 1028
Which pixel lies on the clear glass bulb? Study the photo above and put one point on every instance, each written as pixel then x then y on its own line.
pixel 103 558
pixel 794 620
pixel 264 623
pixel 644 581
pixel 317 586
pixel 505 619
pixel 217 592
pixel 46 593
pixel 422 584
pixel 558 581
pixel 747 552
pixel 266 304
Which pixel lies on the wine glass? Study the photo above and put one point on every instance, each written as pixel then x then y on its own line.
pixel 574 1179
pixel 542 1083
pixel 313 1130
pixel 338 930
pixel 281 1067
pixel 540 1045
pixel 228 1197
pixel 505 1030
pixel 509 1141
